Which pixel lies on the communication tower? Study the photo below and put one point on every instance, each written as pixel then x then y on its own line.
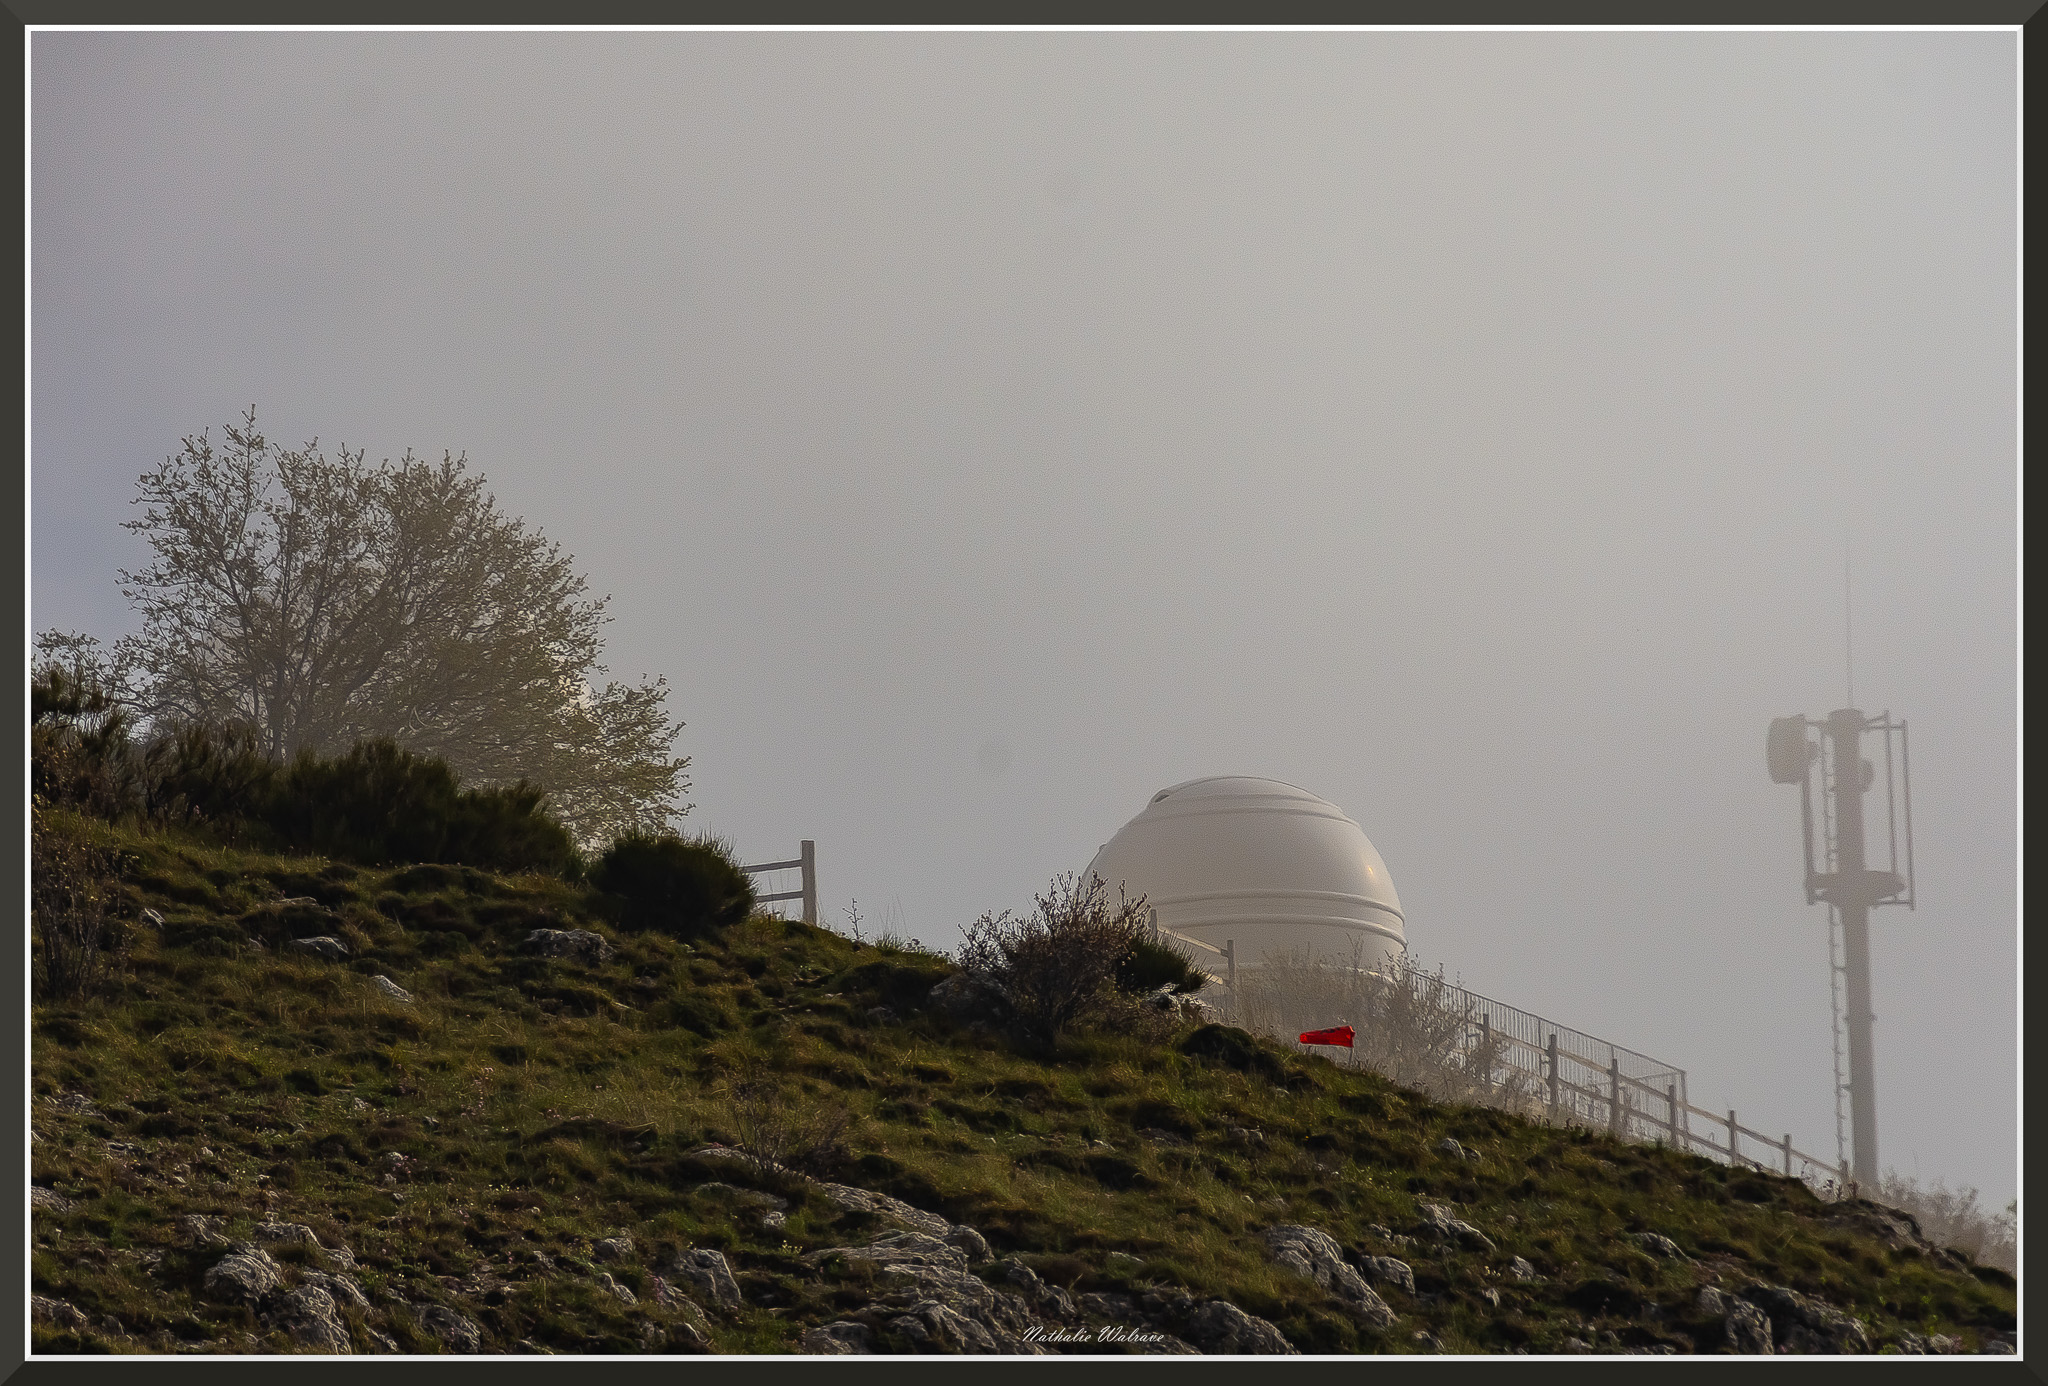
pixel 1801 750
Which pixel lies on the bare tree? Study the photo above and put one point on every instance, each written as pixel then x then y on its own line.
pixel 322 601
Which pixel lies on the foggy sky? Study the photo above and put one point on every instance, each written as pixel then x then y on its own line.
pixel 984 431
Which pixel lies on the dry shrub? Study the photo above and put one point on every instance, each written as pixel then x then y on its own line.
pixel 783 1127
pixel 1951 1218
pixel 1058 965
pixel 73 887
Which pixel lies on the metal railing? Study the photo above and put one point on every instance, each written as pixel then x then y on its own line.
pixel 805 861
pixel 1507 1057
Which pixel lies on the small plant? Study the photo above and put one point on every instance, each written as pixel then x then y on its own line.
pixel 1058 966
pixel 1153 964
pixel 787 1129
pixel 681 886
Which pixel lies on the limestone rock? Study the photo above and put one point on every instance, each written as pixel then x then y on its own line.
pixel 970 1242
pixel 1221 1328
pixel 1520 1269
pixel 391 989
pixel 244 1276
pixel 309 1315
pixel 1801 1324
pixel 1311 1253
pixel 881 1205
pixel 1441 1223
pixel 837 1339
pixel 1710 1303
pixel 619 1248
pixel 706 1273
pixel 898 1249
pixel 49 1200
pixel 320 946
pixel 199 1230
pixel 1659 1245
pixel 1746 1330
pixel 581 945
pixel 1387 1270
pixel 57 1313
pixel 343 1289
pixel 451 1328
pixel 612 1287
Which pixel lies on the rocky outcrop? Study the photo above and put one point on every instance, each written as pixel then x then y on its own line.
pixel 244 1276
pixel 309 1316
pixel 1221 1328
pixel 854 1200
pixel 453 1330
pixel 57 1313
pixel 1439 1222
pixel 1659 1245
pixel 319 946
pixel 48 1200
pixel 706 1274
pixel 579 945
pixel 1311 1253
pixel 1388 1270
pixel 1746 1330
pixel 391 989
pixel 1802 1324
pixel 840 1338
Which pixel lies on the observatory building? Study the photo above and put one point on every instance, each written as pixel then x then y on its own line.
pixel 1259 868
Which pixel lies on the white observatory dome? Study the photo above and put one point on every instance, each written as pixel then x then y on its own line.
pixel 1264 865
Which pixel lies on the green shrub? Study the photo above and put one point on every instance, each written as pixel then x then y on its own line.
pixel 380 804
pixel 686 887
pixel 1151 965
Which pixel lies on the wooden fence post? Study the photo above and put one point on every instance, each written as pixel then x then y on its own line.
pixel 1671 1099
pixel 1230 963
pixel 809 856
pixel 1551 1053
pixel 1615 1121
pixel 1486 1045
pixel 1788 1154
pixel 1734 1139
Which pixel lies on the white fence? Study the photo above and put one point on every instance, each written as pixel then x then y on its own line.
pixel 805 861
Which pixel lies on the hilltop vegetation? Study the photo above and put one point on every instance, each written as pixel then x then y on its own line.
pixel 523 1140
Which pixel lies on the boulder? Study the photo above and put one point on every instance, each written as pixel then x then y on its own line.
pixel 971 1242
pixel 343 1289
pixel 284 1234
pixel 49 1200
pixel 1746 1330
pixel 391 989
pixel 246 1275
pixel 706 1274
pixel 1520 1269
pixel 457 1333
pixel 619 1248
pixel 1220 1328
pixel 1442 1224
pixel 580 945
pixel 1450 1147
pixel 57 1313
pixel 897 1249
pixel 837 1339
pixel 1386 1270
pixel 320 946
pixel 617 1291
pixel 1122 1261
pixel 309 1315
pixel 198 1230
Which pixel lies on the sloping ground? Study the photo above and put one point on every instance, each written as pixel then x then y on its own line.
pixel 523 1141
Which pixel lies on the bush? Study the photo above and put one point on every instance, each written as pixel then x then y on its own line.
pixel 72 887
pixel 200 773
pixel 380 804
pixel 1059 965
pixel 1152 964
pixel 80 752
pixel 681 886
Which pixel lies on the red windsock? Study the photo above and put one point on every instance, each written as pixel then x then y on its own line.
pixel 1343 1035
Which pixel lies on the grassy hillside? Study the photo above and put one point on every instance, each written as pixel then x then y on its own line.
pixel 523 1143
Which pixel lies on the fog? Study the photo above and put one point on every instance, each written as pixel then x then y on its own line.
pixel 983 431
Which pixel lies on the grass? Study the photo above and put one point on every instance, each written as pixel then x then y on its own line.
pixel 539 1104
